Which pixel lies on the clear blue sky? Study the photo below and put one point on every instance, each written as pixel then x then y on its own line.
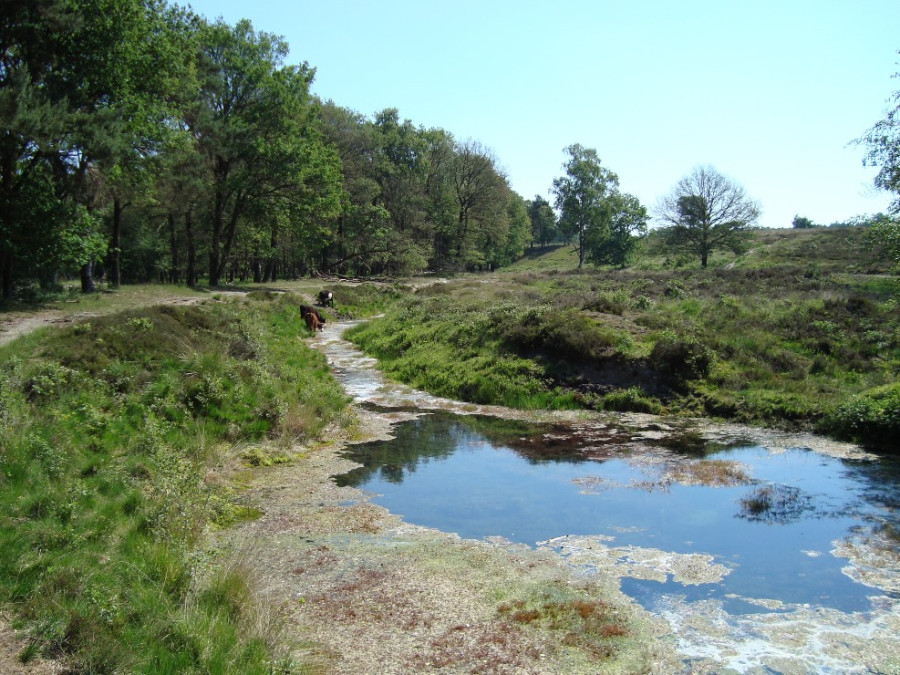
pixel 770 92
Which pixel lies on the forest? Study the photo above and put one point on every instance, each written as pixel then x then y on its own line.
pixel 141 142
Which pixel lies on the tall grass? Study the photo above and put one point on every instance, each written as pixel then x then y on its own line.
pixel 107 430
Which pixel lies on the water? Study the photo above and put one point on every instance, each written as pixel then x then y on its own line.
pixel 807 580
pixel 481 477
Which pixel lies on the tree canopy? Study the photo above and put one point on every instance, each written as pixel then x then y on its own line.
pixel 883 145
pixel 600 219
pixel 141 141
pixel 705 211
pixel 883 142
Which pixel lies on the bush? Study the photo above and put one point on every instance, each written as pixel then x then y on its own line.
pixel 681 359
pixel 567 334
pixel 872 417
pixel 633 399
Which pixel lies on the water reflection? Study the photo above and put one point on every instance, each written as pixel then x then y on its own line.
pixel 770 523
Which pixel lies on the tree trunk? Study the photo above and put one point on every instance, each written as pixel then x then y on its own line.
pixel 87 277
pixel 229 241
pixel 272 260
pixel 582 236
pixel 115 272
pixel 6 270
pixel 215 264
pixel 173 250
pixel 191 272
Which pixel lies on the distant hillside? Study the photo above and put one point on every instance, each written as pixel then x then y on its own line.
pixel 839 249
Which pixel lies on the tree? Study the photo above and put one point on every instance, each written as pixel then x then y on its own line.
pixel 543 221
pixel 883 141
pixel 627 222
pixel 884 234
pixel 581 197
pixel 800 222
pixel 705 211
pixel 258 131
pixel 480 193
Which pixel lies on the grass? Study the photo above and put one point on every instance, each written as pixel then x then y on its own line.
pixel 809 347
pixel 108 430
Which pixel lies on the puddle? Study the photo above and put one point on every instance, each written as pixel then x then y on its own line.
pixel 760 554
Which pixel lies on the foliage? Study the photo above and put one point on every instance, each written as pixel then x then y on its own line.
pixel 544 228
pixel 632 399
pixel 885 235
pixel 872 416
pixel 108 430
pixel 883 143
pixel 628 222
pixel 593 212
pixel 680 359
pixel 139 139
pixel 705 211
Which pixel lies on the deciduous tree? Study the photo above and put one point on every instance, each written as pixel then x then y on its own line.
pixel 883 142
pixel 581 197
pixel 705 211
pixel 543 221
pixel 627 222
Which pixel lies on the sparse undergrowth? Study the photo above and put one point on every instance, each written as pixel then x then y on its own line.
pixel 109 433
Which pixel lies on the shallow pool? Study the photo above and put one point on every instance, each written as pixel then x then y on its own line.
pixel 769 521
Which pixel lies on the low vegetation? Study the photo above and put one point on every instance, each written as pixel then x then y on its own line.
pixel 809 347
pixel 114 436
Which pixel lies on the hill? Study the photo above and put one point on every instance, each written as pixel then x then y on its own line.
pixel 838 249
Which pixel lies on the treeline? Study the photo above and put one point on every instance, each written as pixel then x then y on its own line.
pixel 803 223
pixel 142 142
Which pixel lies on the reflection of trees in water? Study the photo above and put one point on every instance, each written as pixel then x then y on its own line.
pixel 439 435
pixel 775 504
pixel 427 437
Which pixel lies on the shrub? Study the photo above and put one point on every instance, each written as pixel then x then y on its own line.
pixel 567 334
pixel 681 359
pixel 871 417
pixel 633 399
pixel 608 303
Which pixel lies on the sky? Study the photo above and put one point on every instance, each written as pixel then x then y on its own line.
pixel 771 93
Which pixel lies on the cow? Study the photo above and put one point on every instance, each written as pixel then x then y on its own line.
pixel 306 311
pixel 326 298
pixel 313 322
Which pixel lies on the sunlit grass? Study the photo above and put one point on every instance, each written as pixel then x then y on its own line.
pixel 772 345
pixel 108 430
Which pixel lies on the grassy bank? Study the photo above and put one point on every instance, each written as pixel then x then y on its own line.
pixel 778 345
pixel 114 436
